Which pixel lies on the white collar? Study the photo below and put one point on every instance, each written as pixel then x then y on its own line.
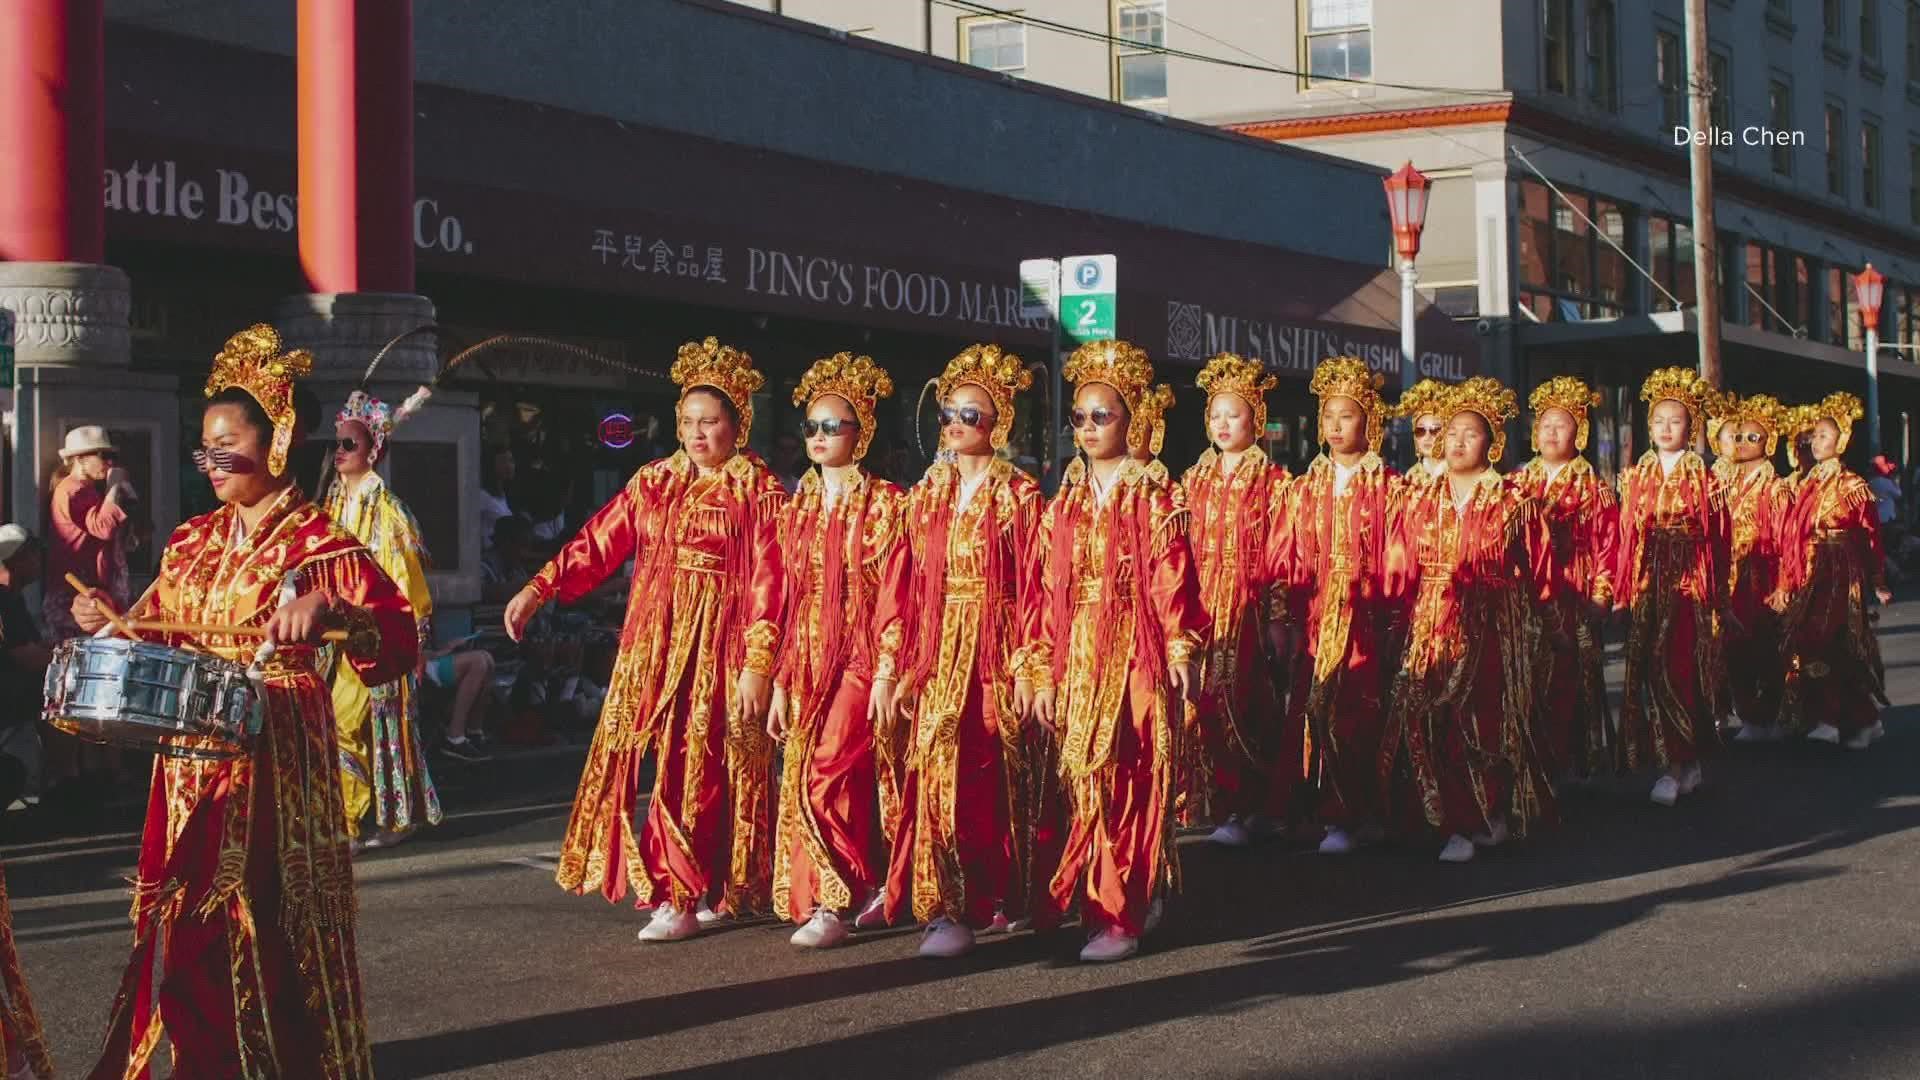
pixel 971 484
pixel 1101 491
pixel 1553 470
pixel 1434 466
pixel 1668 459
pixel 837 481
pixel 1343 477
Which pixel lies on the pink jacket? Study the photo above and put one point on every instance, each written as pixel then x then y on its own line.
pixel 85 537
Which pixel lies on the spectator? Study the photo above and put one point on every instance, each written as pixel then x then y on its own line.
pixel 1885 485
pixel 23 663
pixel 494 487
pixel 506 565
pixel 789 460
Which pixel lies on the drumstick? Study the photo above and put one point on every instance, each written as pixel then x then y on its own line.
pixel 230 631
pixel 100 601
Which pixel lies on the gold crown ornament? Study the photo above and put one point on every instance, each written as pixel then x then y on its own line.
pixel 1349 377
pixel 1152 415
pixel 724 368
pixel 857 380
pixel 1762 409
pixel 999 373
pixel 1123 366
pixel 1571 395
pixel 253 362
pixel 1681 384
pixel 1248 380
pixel 1842 408
pixel 1425 398
pixel 1492 402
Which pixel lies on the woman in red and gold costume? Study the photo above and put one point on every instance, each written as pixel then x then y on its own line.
pixel 1573 528
pixel 833 691
pixel 966 828
pixel 1831 560
pixel 1757 501
pixel 692 677
pixel 1335 570
pixel 243 951
pixel 23 1042
pixel 1670 578
pixel 1243 772
pixel 1424 405
pixel 1113 658
pixel 1457 744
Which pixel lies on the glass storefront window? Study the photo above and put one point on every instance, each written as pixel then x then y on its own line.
pixel 1567 272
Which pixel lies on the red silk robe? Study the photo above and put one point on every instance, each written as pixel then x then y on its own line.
pixel 836 809
pixel 1832 561
pixel 1239 762
pixel 705 605
pixel 1119 601
pixel 244 894
pixel 20 1028
pixel 965 841
pixel 1670 575
pixel 1570 550
pixel 1757 505
pixel 1462 706
pixel 1334 566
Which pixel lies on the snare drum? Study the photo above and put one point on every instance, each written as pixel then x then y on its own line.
pixel 152 697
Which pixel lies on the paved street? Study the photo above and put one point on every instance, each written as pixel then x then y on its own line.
pixel 1764 928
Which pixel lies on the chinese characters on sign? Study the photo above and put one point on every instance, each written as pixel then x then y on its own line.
pixel 633 252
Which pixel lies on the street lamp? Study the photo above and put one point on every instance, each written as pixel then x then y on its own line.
pixel 1407 204
pixel 1869 288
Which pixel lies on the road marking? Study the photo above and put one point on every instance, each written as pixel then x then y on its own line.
pixel 546 862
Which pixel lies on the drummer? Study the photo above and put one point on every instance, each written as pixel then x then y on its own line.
pixel 244 895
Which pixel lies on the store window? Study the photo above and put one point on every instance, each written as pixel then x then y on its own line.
pixel 1567 272
pixel 1558 38
pixel 1339 39
pixel 1140 68
pixel 995 44
pixel 1601 55
pixel 1780 115
pixel 1670 72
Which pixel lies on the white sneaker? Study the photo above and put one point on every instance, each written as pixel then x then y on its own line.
pixel 1666 791
pixel 1336 842
pixel 1230 834
pixel 1691 779
pixel 1156 914
pixel 1459 849
pixel 1756 733
pixel 1825 733
pixel 1878 731
pixel 874 915
pixel 823 931
pixel 946 939
pixel 1493 837
pixel 707 915
pixel 1860 740
pixel 999 925
pixel 669 925
pixel 1109 945
pixel 1020 925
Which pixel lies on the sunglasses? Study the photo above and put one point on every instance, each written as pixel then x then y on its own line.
pixel 224 460
pixel 347 446
pixel 1749 437
pixel 1429 429
pixel 1099 416
pixel 832 427
pixel 970 415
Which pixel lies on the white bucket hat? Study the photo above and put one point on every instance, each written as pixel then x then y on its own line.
pixel 86 439
pixel 12 539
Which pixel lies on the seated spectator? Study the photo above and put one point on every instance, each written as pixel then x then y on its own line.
pixel 23 663
pixel 494 487
pixel 509 559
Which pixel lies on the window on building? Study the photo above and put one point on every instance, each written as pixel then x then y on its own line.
pixel 1780 117
pixel 1140 69
pixel 1601 58
pixel 1913 41
pixel 1559 45
pixel 1870 29
pixel 1339 42
pixel 1759 279
pixel 1567 273
pixel 1836 151
pixel 1913 182
pixel 1720 108
pixel 1670 71
pixel 1833 20
pixel 1781 7
pixel 1870 164
pixel 1840 328
pixel 1670 260
pixel 995 44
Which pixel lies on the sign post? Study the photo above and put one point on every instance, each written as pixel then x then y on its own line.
pixel 1040 302
pixel 1076 296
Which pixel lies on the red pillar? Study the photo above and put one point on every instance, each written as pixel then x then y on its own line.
pixel 52 85
pixel 356 145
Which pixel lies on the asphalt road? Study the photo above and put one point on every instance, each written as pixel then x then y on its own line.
pixel 1764 928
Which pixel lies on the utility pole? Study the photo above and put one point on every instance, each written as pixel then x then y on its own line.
pixel 1706 240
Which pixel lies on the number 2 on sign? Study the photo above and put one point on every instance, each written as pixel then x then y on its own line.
pixel 1089 311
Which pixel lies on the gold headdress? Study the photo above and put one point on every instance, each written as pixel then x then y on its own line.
pixel 998 372
pixel 1426 398
pixel 1349 377
pixel 1567 393
pixel 1762 409
pixel 1228 373
pixel 252 361
pixel 857 379
pixel 724 368
pixel 1493 403
pixel 1152 415
pixel 1124 367
pixel 1842 408
pixel 1681 384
